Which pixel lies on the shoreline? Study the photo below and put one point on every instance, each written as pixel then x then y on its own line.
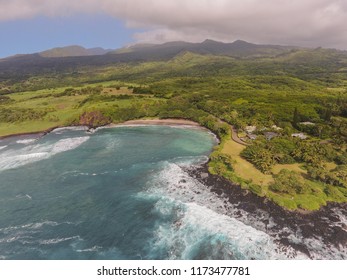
pixel 40 133
pixel 165 122
pixel 175 122
pixel 168 122
pixel 321 224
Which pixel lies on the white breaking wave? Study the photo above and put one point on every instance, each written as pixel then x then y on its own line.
pixel 26 196
pixel 105 127
pixel 59 240
pixel 26 141
pixel 93 249
pixel 200 218
pixel 33 153
pixel 28 226
pixel 60 130
pixel 203 233
pixel 2 147
pixel 24 233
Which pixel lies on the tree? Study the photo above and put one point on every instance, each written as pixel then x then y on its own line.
pixel 296 117
pixel 289 182
pixel 328 114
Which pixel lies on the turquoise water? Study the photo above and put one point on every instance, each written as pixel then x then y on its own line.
pixel 73 195
pixel 119 193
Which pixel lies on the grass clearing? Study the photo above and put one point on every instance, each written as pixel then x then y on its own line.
pixel 243 168
pixel 62 110
pixel 297 167
pixel 331 165
pixel 26 127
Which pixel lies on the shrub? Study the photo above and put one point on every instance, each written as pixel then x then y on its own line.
pixel 256 189
pixel 341 159
pixel 93 119
pixel 289 182
pixel 221 163
pixel 262 158
pixel 334 194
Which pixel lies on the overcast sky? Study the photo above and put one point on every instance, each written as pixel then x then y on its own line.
pixel 33 25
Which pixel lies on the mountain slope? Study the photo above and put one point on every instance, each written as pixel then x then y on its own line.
pixel 230 58
pixel 72 51
pixel 236 49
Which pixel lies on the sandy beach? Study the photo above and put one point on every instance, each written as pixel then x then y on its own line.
pixel 324 226
pixel 161 122
pixel 172 122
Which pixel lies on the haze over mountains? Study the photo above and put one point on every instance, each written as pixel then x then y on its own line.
pixel 237 48
pixel 73 57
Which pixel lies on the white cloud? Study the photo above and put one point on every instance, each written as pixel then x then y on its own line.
pixel 296 22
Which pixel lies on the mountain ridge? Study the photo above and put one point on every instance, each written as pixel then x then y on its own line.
pixel 290 56
pixel 73 50
pixel 237 48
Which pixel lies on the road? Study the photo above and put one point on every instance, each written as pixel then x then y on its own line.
pixel 236 138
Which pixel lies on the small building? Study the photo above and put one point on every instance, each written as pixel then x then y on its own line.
pixel 250 129
pixel 300 135
pixel 269 135
pixel 252 136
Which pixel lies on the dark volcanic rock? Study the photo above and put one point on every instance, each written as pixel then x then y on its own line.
pixel 324 226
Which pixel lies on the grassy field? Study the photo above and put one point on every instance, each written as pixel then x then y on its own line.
pixel 247 171
pixel 303 86
pixel 242 167
pixel 63 109
pixel 297 167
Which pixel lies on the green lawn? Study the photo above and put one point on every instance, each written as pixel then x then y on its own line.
pixel 243 168
pixel 297 167
pixel 65 109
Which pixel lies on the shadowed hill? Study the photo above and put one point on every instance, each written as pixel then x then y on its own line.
pixel 236 49
pixel 239 56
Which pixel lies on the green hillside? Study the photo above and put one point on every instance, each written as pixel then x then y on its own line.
pixel 284 93
pixel 72 51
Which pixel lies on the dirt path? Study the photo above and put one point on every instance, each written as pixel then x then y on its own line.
pixel 236 138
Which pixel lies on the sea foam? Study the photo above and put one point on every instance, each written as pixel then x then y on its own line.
pixel 60 130
pixel 14 158
pixel 198 218
pixel 201 214
pixel 224 236
pixel 26 141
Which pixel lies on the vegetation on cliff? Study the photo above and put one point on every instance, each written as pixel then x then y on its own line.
pixel 295 99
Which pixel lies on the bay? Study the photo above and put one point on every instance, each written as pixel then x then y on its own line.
pixel 125 193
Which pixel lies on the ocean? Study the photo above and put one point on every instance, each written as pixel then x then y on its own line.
pixel 125 193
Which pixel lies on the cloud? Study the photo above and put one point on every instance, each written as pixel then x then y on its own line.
pixel 297 22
